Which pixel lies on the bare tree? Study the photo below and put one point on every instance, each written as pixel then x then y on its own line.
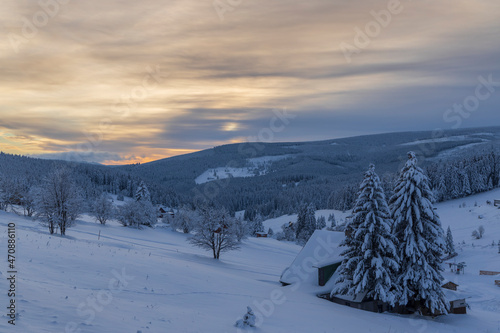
pixel 215 231
pixel 103 209
pixel 58 201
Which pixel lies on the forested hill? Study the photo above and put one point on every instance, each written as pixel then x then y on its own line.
pixel 18 174
pixel 274 178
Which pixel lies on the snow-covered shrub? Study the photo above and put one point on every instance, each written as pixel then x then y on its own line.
pixel 136 214
pixel 184 219
pixel 248 319
pixel 241 229
pixel 478 234
pixel 287 233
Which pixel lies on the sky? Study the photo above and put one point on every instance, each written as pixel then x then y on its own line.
pixel 121 81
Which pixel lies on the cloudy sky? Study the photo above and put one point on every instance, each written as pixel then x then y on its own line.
pixel 120 81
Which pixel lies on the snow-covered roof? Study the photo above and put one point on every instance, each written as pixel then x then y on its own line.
pixel 452 295
pixel 322 247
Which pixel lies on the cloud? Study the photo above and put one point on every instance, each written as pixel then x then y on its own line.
pixel 217 81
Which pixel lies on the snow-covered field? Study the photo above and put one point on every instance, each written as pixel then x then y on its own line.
pixel 154 281
pixel 277 222
pixel 257 166
pixel 447 139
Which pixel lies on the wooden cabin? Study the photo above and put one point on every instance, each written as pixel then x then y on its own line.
pixel 458 306
pixel 450 285
pixel 161 212
pixel 261 234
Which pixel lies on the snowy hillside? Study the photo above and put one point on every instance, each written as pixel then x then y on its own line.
pixel 277 222
pixel 258 166
pixel 128 280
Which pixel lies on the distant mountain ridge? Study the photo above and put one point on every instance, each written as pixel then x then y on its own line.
pixel 311 171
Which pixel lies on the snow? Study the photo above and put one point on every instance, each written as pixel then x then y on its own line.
pixel 174 287
pixel 436 140
pixel 277 222
pixel 223 173
pixel 453 151
pixel 258 166
pixel 117 202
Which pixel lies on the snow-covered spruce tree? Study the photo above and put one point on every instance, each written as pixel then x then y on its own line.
pixel 441 192
pixel 140 212
pixel 301 220
pixel 466 189
pixel 215 231
pixel 142 193
pixel 321 223
pixel 309 225
pixel 420 240
pixel 103 209
pixel 256 225
pixel 371 262
pixel 332 220
pixel 450 246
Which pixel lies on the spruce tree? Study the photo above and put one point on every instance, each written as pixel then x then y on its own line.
pixel 142 193
pixel 321 223
pixel 454 186
pixel 309 224
pixel 466 188
pixel 331 218
pixel 450 246
pixel 420 240
pixel 442 191
pixel 371 262
pixel 257 225
pixel 301 220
